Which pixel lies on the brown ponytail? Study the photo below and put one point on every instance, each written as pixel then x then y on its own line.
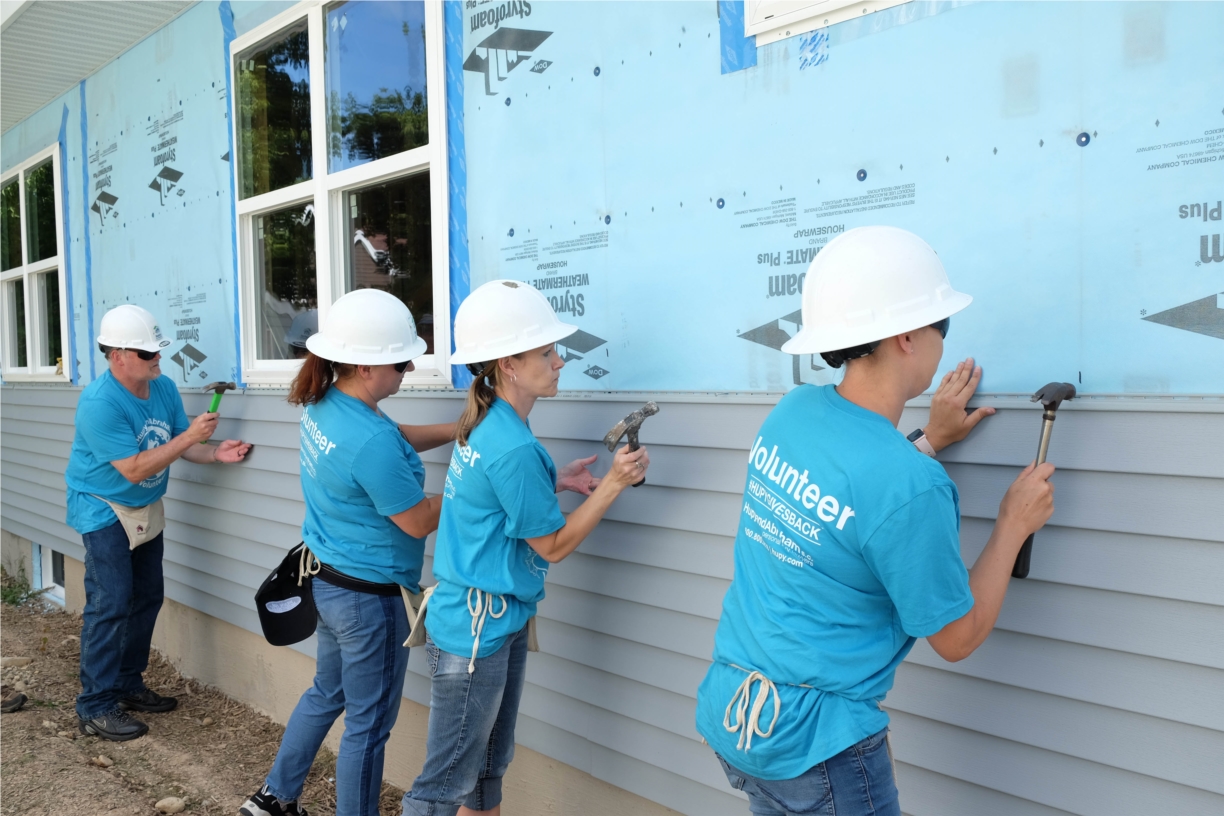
pixel 480 396
pixel 314 378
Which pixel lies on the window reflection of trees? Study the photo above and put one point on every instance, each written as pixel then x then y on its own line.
pixel 40 213
pixel 274 114
pixel 287 268
pixel 10 226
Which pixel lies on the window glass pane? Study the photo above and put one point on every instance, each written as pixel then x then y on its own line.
pixel 285 278
pixel 273 113
pixel 15 331
pixel 57 568
pixel 389 245
pixel 375 68
pixel 10 226
pixel 49 303
pixel 40 213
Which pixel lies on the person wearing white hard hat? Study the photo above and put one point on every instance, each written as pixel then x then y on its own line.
pixel 367 517
pixel 130 426
pixel 848 545
pixel 303 327
pixel 501 528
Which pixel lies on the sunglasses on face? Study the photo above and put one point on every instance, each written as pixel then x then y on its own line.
pixel 145 355
pixel 942 327
pixel 400 368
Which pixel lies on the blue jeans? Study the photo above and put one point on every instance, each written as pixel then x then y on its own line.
pixel 359 671
pixel 123 594
pixel 471 729
pixel 857 782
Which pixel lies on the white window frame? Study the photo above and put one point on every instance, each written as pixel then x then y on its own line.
pixel 773 20
pixel 28 272
pixel 54 591
pixel 327 190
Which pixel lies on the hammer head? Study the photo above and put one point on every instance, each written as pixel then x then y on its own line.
pixel 629 426
pixel 1052 394
pixel 220 387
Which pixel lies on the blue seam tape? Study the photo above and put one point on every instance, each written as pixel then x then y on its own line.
pixel 738 52
pixel 93 375
pixel 227 28
pixel 66 214
pixel 456 150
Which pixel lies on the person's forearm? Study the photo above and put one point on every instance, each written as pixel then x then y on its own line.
pixel 578 525
pixel 988 580
pixel 201 454
pixel 155 460
pixel 426 437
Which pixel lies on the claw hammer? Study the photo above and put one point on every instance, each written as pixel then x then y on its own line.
pixel 629 426
pixel 1050 395
pixel 218 389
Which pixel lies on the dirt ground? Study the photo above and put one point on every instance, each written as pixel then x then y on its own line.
pixel 212 751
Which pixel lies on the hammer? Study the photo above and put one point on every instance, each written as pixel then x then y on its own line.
pixel 1051 396
pixel 629 426
pixel 218 389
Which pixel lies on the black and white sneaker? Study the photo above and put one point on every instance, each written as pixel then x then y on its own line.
pixel 148 700
pixel 264 803
pixel 116 726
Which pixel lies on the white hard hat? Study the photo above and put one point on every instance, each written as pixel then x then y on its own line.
pixel 503 318
pixel 367 327
pixel 871 283
pixel 302 327
pixel 131 327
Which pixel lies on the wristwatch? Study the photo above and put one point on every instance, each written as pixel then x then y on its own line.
pixel 920 441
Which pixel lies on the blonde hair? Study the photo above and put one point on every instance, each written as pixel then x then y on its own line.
pixel 480 396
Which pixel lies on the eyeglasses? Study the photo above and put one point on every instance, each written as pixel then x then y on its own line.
pixel 400 368
pixel 145 355
pixel 942 327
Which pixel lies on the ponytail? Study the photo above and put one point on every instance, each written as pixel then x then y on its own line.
pixel 480 396
pixel 314 378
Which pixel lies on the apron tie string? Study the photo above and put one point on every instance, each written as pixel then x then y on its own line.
pixel 480 611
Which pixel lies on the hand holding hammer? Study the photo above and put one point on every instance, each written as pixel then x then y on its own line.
pixel 629 427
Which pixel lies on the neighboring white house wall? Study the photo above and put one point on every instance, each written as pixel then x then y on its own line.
pixel 1098 694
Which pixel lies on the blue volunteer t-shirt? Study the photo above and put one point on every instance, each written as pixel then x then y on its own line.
pixel 500 490
pixel 357 469
pixel 847 551
pixel 112 423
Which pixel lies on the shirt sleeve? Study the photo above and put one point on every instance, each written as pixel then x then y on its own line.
pixel 178 419
pixel 915 554
pixel 524 483
pixel 383 468
pixel 106 430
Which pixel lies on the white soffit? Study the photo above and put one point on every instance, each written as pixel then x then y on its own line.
pixel 48 46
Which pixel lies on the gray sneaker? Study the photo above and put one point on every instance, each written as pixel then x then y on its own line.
pixel 117 726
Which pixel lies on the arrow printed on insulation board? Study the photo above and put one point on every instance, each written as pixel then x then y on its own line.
pixel 1203 316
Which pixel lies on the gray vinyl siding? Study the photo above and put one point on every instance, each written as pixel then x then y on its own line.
pixel 1098 694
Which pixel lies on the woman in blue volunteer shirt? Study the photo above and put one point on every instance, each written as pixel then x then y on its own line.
pixel 848 545
pixel 501 528
pixel 366 521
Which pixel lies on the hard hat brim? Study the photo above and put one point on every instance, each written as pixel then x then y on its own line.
pixel 320 346
pixel 484 354
pixel 834 337
pixel 124 344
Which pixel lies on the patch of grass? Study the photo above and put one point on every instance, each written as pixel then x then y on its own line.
pixel 15 590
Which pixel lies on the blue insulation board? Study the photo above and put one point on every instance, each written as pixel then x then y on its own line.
pixel 1058 156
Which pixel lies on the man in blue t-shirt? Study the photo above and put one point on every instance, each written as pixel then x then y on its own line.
pixel 848 544
pixel 130 426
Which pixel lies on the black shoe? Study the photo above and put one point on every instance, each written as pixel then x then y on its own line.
pixel 264 803
pixel 13 702
pixel 117 726
pixel 148 700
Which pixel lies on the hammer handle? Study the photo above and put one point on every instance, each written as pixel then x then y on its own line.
pixel 212 409
pixel 1025 556
pixel 633 445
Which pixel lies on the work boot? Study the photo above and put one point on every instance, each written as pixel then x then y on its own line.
pixel 117 726
pixel 13 702
pixel 148 700
pixel 264 803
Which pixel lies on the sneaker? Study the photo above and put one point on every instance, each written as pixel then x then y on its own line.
pixel 264 803
pixel 148 700
pixel 117 726
pixel 13 702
